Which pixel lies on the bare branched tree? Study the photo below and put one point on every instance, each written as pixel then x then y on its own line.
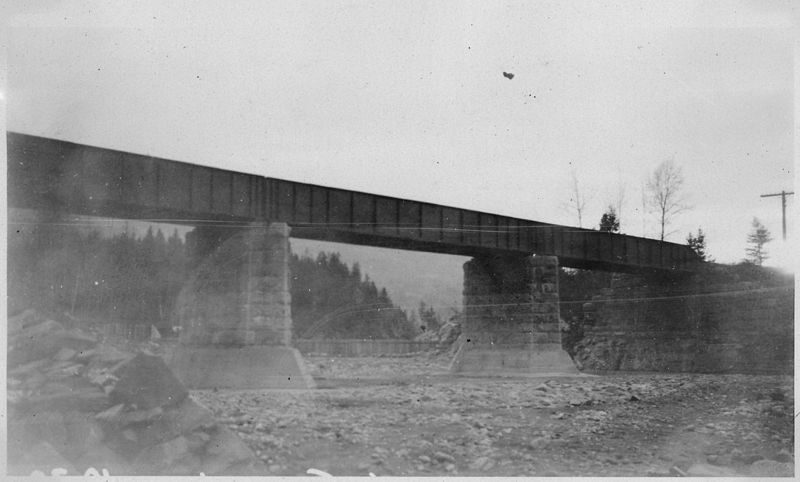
pixel 664 194
pixel 643 212
pixel 577 198
pixel 618 201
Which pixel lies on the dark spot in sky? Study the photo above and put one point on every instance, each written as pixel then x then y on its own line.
pixel 508 75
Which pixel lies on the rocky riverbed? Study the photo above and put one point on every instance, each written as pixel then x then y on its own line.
pixel 79 403
pixel 407 416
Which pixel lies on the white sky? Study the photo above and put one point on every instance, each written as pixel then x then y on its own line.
pixel 408 99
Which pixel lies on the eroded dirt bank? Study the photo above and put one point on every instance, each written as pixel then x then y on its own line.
pixel 407 416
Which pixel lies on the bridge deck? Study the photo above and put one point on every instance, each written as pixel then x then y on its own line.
pixel 78 179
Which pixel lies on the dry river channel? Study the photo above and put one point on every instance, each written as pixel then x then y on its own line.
pixel 408 417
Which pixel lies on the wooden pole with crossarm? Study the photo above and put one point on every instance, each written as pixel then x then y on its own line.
pixel 783 195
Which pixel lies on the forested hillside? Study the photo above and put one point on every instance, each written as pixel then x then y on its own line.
pixel 120 278
pixel 61 267
pixel 331 300
pixel 409 276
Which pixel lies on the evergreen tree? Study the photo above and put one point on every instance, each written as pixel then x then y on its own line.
pixel 609 222
pixel 428 317
pixel 758 237
pixel 698 244
pixel 383 297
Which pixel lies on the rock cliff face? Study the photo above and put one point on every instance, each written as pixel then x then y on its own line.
pixel 76 403
pixel 726 319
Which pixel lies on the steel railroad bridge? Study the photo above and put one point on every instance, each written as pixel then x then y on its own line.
pixel 235 310
pixel 51 174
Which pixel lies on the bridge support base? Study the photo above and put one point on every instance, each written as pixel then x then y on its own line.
pixel 511 325
pixel 235 313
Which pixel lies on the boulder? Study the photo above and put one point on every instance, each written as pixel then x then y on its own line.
pixel 784 456
pixel 772 468
pixel 157 459
pixel 34 342
pixel 26 430
pixel 77 404
pixel 63 398
pixel 183 419
pixel 227 454
pixel 18 322
pixel 146 382
pixel 83 433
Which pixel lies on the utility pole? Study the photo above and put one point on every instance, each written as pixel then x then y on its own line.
pixel 783 195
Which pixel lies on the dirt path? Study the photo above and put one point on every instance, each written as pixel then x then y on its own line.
pixel 406 417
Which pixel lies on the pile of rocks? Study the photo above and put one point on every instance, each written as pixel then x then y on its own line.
pixel 77 404
pixel 446 335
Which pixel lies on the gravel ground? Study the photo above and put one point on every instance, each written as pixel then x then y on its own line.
pixel 408 417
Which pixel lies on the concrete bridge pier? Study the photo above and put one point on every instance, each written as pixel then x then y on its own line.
pixel 235 312
pixel 511 325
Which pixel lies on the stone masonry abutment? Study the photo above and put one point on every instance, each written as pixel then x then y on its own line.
pixel 722 319
pixel 235 312
pixel 511 317
pixel 239 292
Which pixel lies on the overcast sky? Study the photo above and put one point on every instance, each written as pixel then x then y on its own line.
pixel 408 98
